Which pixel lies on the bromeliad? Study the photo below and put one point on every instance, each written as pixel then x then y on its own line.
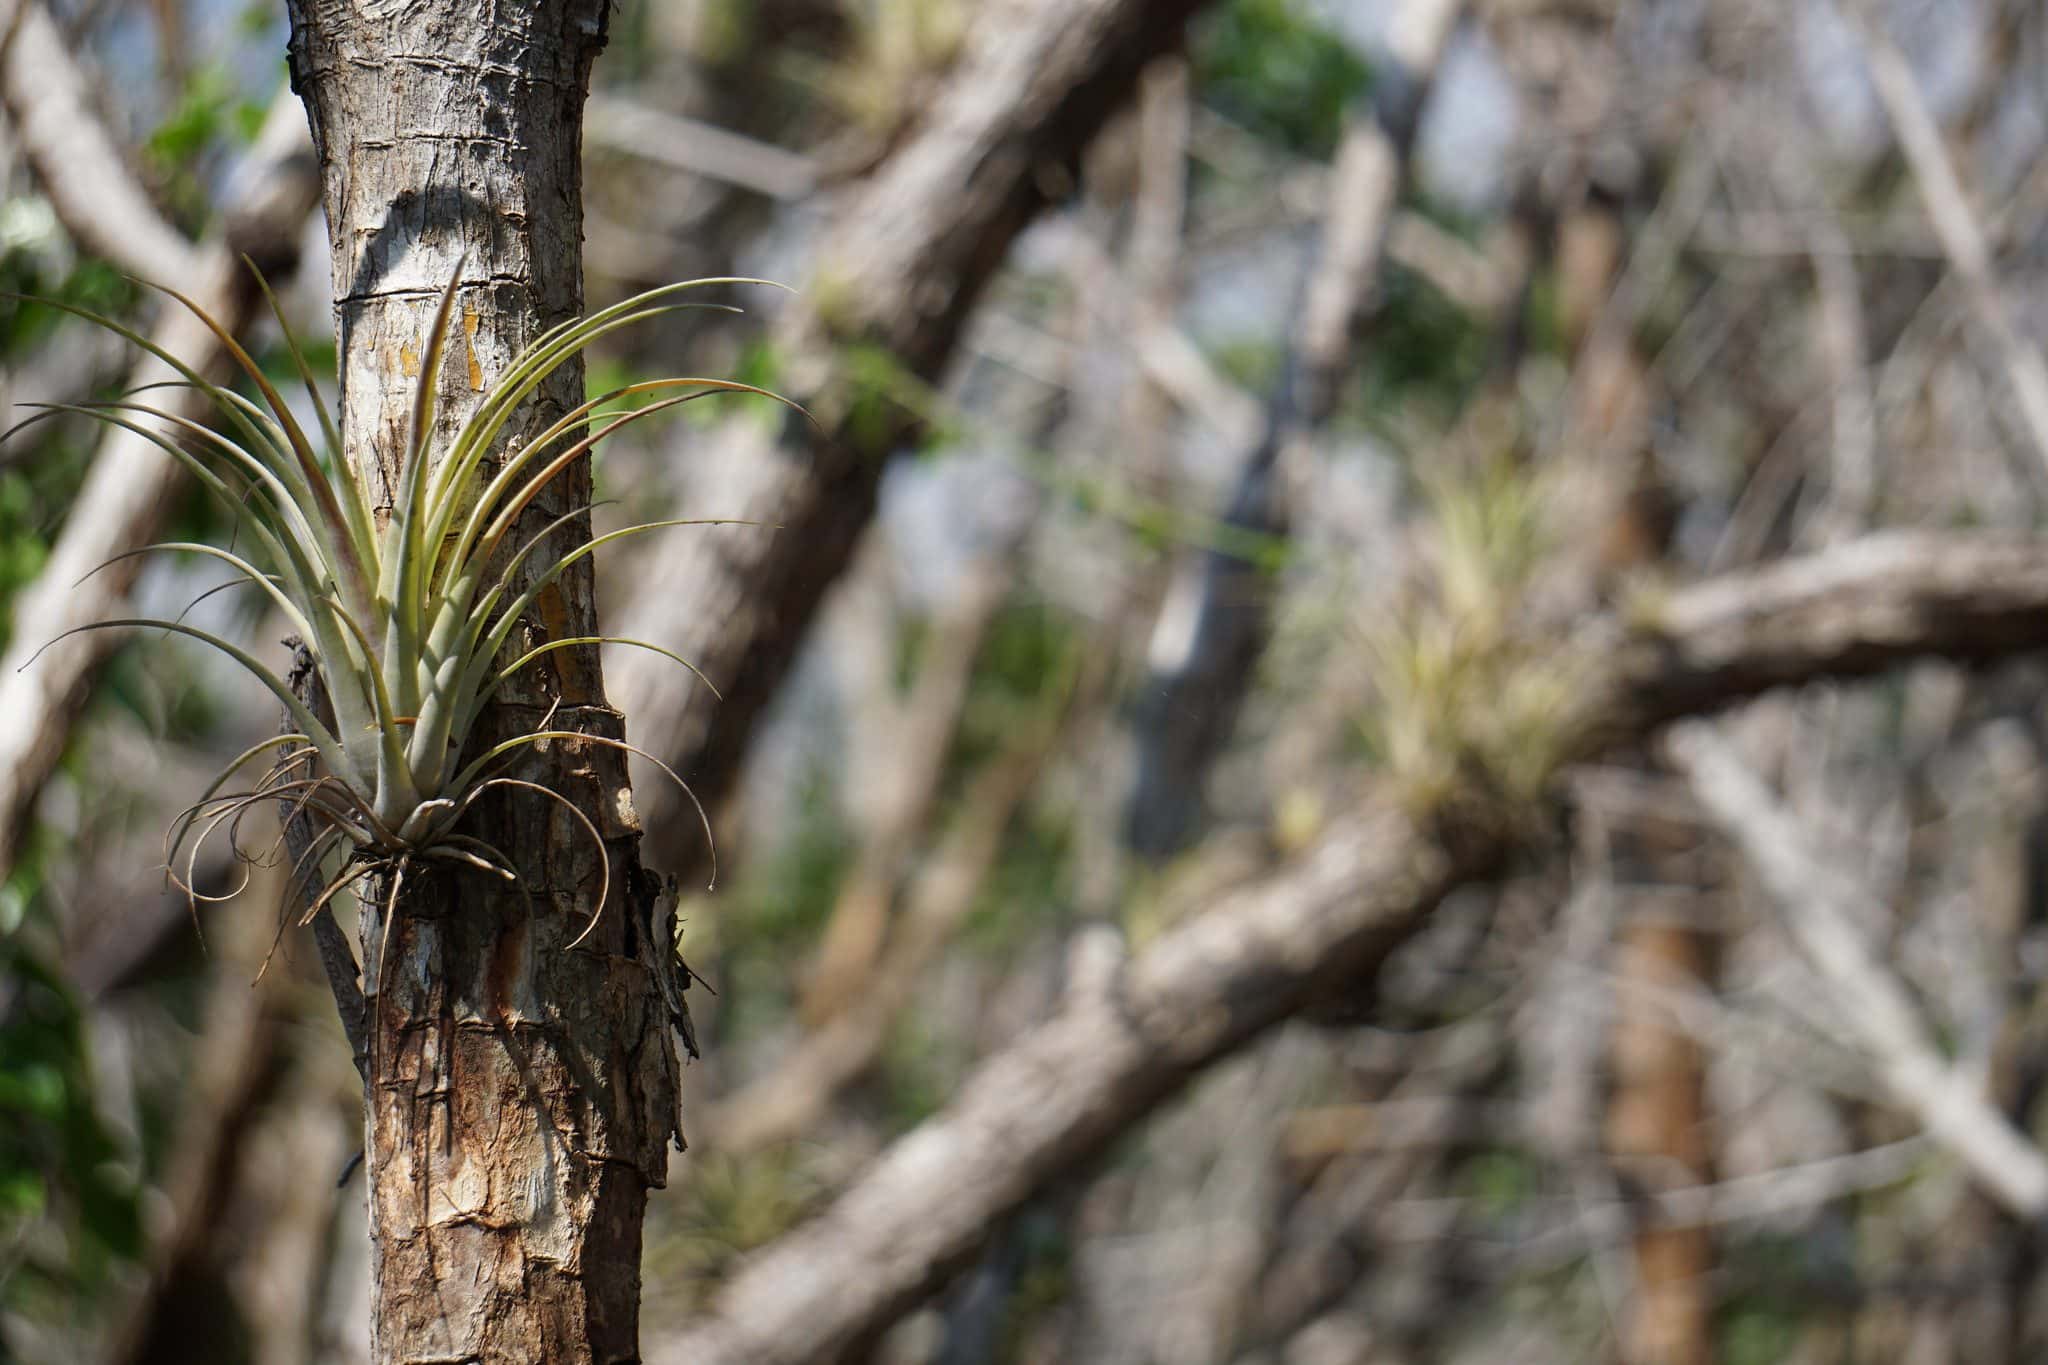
pixel 405 622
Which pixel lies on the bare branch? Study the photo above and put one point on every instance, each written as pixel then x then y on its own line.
pixel 1326 920
pixel 130 485
pixel 1818 905
pixel 912 247
pixel 1957 225
pixel 98 200
pixel 698 148
pixel 1819 909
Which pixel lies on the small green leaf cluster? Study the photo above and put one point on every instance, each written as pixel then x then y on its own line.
pixel 1269 66
pixel 56 1157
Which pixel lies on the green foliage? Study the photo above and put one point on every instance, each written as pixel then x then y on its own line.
pixel 1161 527
pixel 918 1071
pixel 256 19
pixel 892 47
pixel 210 113
pixel 24 543
pixel 1027 659
pixel 784 902
pixel 1026 888
pixel 1045 1283
pixel 761 364
pixel 1253 365
pixel 1499 1181
pixel 169 703
pixel 777 906
pixel 39 487
pixel 1468 707
pixel 1424 348
pixel 1267 65
pixel 57 1161
pixel 729 1206
pixel 208 110
pixel 1543 315
pixel 33 305
pixel 1760 1334
pixel 609 385
pixel 883 397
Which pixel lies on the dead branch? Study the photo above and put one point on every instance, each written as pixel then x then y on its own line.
pixel 697 148
pixel 1326 920
pixel 1818 906
pixel 99 201
pixel 912 247
pixel 1957 226
pixel 131 482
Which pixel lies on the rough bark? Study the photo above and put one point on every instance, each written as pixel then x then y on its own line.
pixel 912 247
pixel 520 1095
pixel 1329 918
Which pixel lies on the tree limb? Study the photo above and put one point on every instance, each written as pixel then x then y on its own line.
pixel 1816 903
pixel 1956 225
pixel 1330 918
pixel 101 204
pixel 131 482
pixel 912 248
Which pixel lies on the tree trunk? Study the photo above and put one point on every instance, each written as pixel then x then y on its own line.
pixel 520 1096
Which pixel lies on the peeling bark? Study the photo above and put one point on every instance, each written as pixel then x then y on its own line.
pixel 520 1096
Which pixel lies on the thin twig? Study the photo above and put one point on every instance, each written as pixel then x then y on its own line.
pixel 1265 951
pixel 1957 225
pixel 1820 907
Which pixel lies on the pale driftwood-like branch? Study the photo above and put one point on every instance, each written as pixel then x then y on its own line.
pixel 132 482
pixel 911 248
pixel 1819 908
pixel 899 798
pixel 697 148
pixel 789 1100
pixel 1329 919
pixel 1957 226
pixel 97 199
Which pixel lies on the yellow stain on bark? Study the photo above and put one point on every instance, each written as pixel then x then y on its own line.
pixel 569 668
pixel 408 359
pixel 476 371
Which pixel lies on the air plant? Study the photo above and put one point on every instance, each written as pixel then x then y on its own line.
pixel 406 624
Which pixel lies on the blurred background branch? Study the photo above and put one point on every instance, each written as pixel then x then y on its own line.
pixel 1203 876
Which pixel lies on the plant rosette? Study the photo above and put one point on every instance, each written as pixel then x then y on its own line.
pixel 405 626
